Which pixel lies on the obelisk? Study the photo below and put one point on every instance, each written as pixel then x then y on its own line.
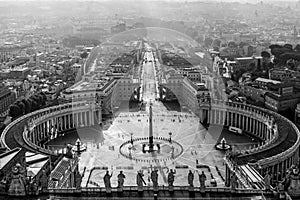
pixel 150 129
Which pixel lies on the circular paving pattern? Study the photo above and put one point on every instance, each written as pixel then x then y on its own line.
pixel 164 150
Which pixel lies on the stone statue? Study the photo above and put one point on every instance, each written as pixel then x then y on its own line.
pixel 3 184
pixel 78 179
pixel 267 180
pixel 294 181
pixel 121 178
pixel 32 187
pixel 202 179
pixel 154 177
pixel 43 181
pixel 233 181
pixel 139 180
pixel 191 179
pixel 106 180
pixel 171 177
pixel 17 185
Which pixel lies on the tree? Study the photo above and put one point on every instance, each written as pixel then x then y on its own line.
pixel 208 41
pixel 265 54
pixel 216 43
pixel 232 44
pixel 34 105
pixel 288 46
pixel 27 105
pixel 216 48
pixel 84 55
pixel 242 44
pixel 44 97
pixel 21 105
pixel 297 48
pixel 273 46
pixel 14 111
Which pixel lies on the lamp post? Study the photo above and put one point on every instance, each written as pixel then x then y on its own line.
pixel 130 148
pixel 170 139
pixel 131 139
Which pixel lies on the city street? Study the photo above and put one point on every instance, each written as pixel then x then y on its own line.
pixel 149 80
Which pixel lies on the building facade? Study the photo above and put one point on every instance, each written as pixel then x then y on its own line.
pixel 7 97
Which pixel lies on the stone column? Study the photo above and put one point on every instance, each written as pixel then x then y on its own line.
pixel 70 121
pixel 90 112
pixel 34 138
pixel 84 118
pixel 63 122
pixel 43 128
pixel 209 116
pixel 37 129
pixel 30 137
pixel 236 119
pixel 227 118
pixel 201 115
pixel 81 118
pixel 256 126
pixel 66 122
pixel 220 112
pixel 76 120
pixel 87 118
pixel 99 117
pixel 227 176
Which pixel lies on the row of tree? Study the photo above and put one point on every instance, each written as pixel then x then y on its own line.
pixel 24 106
pixel 285 54
pixel 216 44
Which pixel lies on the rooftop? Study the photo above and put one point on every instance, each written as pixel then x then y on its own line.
pixel 267 80
pixel 8 156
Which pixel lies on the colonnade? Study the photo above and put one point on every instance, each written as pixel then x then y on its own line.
pixel 259 122
pixel 51 123
pixel 254 124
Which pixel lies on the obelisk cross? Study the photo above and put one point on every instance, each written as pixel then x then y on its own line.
pixel 150 130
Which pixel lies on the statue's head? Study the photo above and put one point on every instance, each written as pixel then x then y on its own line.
pixel 295 171
pixel 15 170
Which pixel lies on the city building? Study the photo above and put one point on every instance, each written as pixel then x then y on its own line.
pixel 254 92
pixel 297 115
pixel 15 73
pixel 265 83
pixel 7 98
pixel 246 62
pixel 281 74
pixel 280 102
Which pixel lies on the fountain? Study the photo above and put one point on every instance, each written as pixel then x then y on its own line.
pixel 223 145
